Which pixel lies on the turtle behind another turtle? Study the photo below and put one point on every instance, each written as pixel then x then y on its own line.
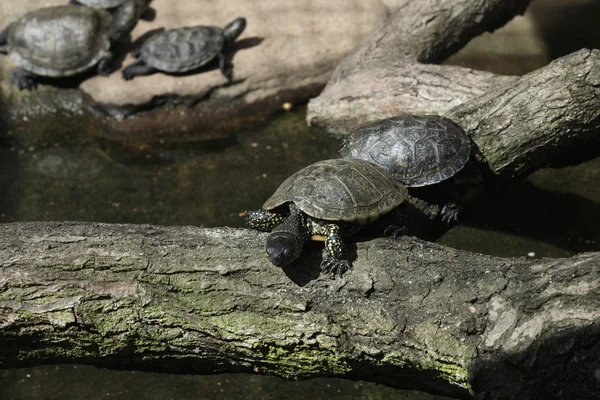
pixel 125 13
pixel 417 151
pixel 184 49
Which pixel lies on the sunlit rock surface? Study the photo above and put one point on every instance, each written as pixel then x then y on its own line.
pixel 286 47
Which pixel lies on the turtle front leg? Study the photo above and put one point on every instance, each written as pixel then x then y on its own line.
pixel 226 70
pixel 264 220
pixel 138 68
pixel 104 67
pixel 335 254
pixel 23 79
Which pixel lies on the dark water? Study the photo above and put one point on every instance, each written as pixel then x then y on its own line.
pixel 556 213
pixel 55 177
pixel 81 382
pixel 59 175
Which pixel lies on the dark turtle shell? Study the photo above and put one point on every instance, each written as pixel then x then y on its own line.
pixel 183 49
pixel 101 3
pixel 59 41
pixel 415 150
pixel 348 190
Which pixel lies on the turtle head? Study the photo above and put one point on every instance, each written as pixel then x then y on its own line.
pixel 283 248
pixel 234 29
pixel 125 18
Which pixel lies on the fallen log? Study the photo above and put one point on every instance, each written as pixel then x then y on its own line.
pixel 409 314
pixel 394 69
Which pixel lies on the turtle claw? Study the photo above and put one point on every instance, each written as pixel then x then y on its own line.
pixel 333 266
pixel 450 213
pixel 395 231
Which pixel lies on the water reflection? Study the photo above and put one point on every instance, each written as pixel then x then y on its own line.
pixel 58 177
pixel 70 382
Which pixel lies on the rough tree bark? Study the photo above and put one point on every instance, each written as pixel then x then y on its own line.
pixel 409 314
pixel 549 116
pixel 393 71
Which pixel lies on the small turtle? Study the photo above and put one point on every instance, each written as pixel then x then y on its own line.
pixel 417 151
pixel 184 49
pixel 326 200
pixel 62 41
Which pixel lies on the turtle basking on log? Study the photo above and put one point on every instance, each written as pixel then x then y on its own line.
pixel 417 151
pixel 64 41
pixel 327 200
pixel 185 49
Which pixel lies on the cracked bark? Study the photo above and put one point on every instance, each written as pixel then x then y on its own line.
pixel 392 71
pixel 409 314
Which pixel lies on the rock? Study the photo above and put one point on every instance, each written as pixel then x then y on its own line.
pixel 286 54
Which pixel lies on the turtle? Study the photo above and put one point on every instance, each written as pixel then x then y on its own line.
pixel 63 41
pixel 104 4
pixel 128 12
pixel 417 150
pixel 325 201
pixel 184 49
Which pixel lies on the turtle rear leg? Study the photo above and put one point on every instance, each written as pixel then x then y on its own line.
pixel 264 220
pixel 451 208
pixel 23 79
pixel 226 70
pixel 335 254
pixel 104 67
pixel 138 68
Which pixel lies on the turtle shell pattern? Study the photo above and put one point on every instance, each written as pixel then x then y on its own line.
pixel 101 3
pixel 348 190
pixel 183 49
pixel 416 150
pixel 59 41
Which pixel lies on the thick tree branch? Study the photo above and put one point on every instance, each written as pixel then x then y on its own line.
pixel 409 314
pixel 388 73
pixel 539 118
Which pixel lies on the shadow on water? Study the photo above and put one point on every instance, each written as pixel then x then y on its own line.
pixel 554 213
pixel 51 382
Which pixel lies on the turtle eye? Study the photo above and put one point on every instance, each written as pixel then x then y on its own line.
pixel 287 253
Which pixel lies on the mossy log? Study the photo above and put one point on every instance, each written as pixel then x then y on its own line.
pixel 409 314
